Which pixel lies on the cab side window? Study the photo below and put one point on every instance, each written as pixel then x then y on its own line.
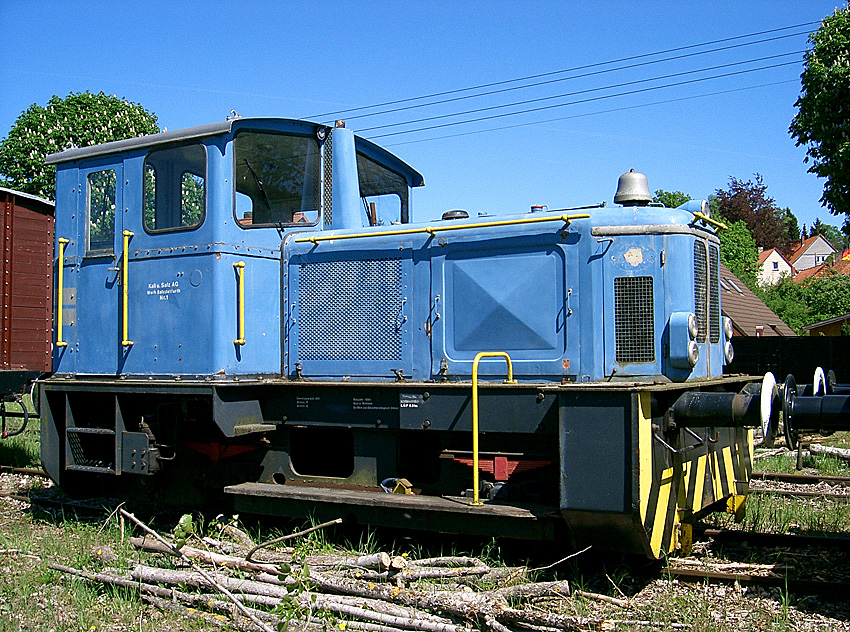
pixel 175 188
pixel 384 193
pixel 100 207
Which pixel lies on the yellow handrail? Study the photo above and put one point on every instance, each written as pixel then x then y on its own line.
pixel 510 380
pixel 708 220
pixel 125 342
pixel 436 229
pixel 240 269
pixel 59 342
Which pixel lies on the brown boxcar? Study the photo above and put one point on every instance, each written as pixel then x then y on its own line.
pixel 26 235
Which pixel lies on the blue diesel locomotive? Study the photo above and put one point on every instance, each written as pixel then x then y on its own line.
pixel 247 307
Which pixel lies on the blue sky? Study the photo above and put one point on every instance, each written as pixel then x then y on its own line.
pixel 192 62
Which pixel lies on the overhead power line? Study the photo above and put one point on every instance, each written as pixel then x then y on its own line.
pixel 588 100
pixel 596 113
pixel 556 72
pixel 574 77
pixel 578 92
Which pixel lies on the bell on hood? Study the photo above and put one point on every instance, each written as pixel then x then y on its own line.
pixel 633 190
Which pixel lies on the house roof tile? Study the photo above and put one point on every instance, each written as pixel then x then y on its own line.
pixel 746 310
pixel 803 246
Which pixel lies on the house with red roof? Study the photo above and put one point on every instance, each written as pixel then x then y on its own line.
pixel 810 252
pixel 773 267
pixel 842 266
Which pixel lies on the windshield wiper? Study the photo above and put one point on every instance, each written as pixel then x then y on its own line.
pixel 259 183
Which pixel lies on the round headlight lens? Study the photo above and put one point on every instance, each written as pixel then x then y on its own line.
pixel 693 353
pixel 729 352
pixel 727 327
pixel 693 329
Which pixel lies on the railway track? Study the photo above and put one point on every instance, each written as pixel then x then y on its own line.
pixel 807 495
pixel 802 479
pixel 816 487
pixel 22 470
pixel 799 587
pixel 773 576
pixel 779 540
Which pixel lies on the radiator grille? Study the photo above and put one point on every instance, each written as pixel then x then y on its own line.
pixel 351 310
pixel 714 293
pixel 328 193
pixel 701 289
pixel 634 319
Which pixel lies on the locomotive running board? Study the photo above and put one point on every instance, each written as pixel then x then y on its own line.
pixel 425 513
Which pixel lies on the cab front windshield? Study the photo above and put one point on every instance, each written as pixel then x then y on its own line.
pixel 277 179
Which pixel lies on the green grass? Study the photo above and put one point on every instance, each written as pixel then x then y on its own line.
pixel 838 440
pixel 22 450
pixel 33 597
pixel 825 465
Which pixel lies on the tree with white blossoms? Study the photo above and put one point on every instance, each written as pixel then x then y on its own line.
pixel 78 120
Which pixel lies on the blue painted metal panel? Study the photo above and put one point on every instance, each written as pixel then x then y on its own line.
pixel 98 329
pixel 504 291
pixel 67 192
pixel 634 257
pixel 347 206
pixel 349 307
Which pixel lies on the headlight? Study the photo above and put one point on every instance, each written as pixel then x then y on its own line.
pixel 729 352
pixel 693 328
pixel 693 353
pixel 727 327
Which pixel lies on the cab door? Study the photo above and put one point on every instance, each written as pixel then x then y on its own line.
pixel 99 284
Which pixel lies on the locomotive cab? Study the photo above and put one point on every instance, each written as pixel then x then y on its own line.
pixel 157 224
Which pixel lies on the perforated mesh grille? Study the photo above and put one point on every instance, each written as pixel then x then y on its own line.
pixel 328 193
pixel 714 292
pixel 351 310
pixel 701 289
pixel 634 319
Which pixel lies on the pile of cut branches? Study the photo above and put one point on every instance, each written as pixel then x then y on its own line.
pixel 252 588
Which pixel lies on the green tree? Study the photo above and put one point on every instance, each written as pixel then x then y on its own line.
pixel 749 202
pixel 788 300
pixel 739 252
pixel 792 227
pixel 78 120
pixel 822 122
pixel 670 199
pixel 827 296
pixel 829 232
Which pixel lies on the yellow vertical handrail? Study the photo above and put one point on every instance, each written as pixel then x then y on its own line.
pixel 510 380
pixel 59 342
pixel 125 341
pixel 240 270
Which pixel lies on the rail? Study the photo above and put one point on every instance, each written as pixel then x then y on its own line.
pixel 61 265
pixel 240 271
pixel 431 230
pixel 125 340
pixel 484 354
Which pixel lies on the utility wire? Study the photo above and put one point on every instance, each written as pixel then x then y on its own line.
pixel 556 72
pixel 589 100
pixel 579 76
pixel 586 114
pixel 579 92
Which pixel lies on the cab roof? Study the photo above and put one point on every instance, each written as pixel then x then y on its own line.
pixel 231 125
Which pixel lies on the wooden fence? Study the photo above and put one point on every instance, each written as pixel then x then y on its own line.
pixel 798 356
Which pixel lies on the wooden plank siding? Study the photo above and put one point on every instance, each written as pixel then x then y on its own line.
pixel 26 275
